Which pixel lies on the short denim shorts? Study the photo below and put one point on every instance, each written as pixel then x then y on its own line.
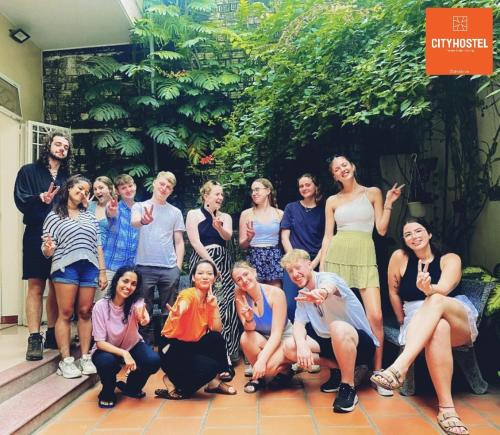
pixel 81 273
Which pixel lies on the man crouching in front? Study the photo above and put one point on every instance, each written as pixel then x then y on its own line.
pixel 330 328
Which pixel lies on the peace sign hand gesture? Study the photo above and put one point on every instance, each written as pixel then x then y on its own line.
pixel 147 216
pixel 424 278
pixel 142 314
pixel 211 299
pixel 393 194
pixel 250 230
pixel 47 197
pixel 87 199
pixel 245 309
pixel 112 206
pixel 48 245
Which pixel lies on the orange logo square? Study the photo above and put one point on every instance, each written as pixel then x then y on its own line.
pixel 459 41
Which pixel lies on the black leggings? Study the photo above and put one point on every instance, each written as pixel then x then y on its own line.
pixel 190 365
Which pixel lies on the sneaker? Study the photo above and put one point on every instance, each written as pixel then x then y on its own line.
pixel 346 399
pixel 86 365
pixel 68 369
pixel 50 339
pixel 333 383
pixel 381 390
pixel 35 347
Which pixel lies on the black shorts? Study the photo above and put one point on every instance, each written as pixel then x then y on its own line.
pixel 364 351
pixel 35 265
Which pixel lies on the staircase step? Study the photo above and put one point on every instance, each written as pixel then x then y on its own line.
pixel 15 379
pixel 26 411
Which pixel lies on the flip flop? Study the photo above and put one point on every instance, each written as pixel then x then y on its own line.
pixel 228 375
pixel 222 388
pixel 122 386
pixel 169 395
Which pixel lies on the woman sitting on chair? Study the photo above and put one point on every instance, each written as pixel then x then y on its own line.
pixel 262 311
pixel 192 349
pixel 421 288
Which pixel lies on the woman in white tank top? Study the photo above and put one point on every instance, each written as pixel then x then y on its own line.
pixel 355 210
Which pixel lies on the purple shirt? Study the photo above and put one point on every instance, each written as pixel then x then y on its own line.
pixel 107 325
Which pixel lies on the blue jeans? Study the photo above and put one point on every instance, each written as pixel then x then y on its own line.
pixel 108 365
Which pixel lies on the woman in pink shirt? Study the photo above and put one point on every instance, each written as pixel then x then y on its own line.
pixel 115 327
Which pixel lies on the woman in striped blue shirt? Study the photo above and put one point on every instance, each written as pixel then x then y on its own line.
pixel 71 237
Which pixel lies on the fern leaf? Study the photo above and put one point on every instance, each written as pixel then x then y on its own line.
pixel 204 80
pixel 107 139
pixel 162 133
pixel 168 90
pixel 145 101
pixel 131 69
pixel 169 10
pixel 228 78
pixel 101 67
pixel 107 112
pixel 192 42
pixel 206 6
pixel 186 109
pixel 129 145
pixel 167 55
pixel 138 170
pixel 106 88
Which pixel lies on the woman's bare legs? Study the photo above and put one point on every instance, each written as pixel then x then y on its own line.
pixel 373 308
pixel 424 324
pixel 66 295
pixel 84 306
pixel 439 357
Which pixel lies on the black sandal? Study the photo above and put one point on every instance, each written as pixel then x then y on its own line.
pixel 106 403
pixel 169 395
pixel 254 386
pixel 122 386
pixel 228 375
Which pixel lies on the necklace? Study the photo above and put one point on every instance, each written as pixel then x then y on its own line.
pixel 53 173
pixel 307 209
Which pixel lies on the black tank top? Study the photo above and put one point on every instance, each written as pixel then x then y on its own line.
pixel 408 290
pixel 208 234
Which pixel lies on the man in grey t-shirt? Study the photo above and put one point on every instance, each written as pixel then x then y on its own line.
pixel 160 250
pixel 330 323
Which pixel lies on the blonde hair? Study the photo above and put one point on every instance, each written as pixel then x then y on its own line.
pixel 272 193
pixel 242 264
pixel 169 176
pixel 293 256
pixel 107 182
pixel 123 179
pixel 207 188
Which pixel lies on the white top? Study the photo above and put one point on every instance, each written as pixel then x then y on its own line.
pixel 356 215
pixel 342 305
pixel 156 240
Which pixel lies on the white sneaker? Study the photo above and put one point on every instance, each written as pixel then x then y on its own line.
pixel 381 390
pixel 68 369
pixel 86 365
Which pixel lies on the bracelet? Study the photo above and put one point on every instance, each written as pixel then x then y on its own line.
pixel 387 208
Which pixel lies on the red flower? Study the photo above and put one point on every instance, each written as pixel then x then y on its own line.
pixel 207 160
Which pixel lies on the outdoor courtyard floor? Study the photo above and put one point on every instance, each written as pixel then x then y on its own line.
pixel 302 409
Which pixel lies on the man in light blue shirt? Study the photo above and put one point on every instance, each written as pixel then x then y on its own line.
pixel 160 251
pixel 330 324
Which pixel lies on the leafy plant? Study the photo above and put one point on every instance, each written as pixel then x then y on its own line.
pixel 168 107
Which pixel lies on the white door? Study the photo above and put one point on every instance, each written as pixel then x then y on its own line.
pixel 11 228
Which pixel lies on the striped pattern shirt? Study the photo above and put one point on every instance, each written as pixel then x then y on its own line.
pixel 75 239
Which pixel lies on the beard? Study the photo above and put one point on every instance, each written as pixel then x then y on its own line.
pixel 59 159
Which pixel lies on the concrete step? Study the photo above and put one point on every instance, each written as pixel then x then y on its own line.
pixel 15 379
pixel 26 411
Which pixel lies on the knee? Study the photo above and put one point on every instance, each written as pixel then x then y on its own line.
pixel 244 339
pixel 375 319
pixel 85 312
pixel 152 364
pixel 65 313
pixel 342 332
pixel 436 300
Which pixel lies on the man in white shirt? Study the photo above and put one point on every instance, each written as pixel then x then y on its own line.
pixel 330 324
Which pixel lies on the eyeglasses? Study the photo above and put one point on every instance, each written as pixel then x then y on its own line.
pixel 414 233
pixel 257 189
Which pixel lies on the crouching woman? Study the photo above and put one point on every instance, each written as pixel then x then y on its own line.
pixel 192 349
pixel 115 323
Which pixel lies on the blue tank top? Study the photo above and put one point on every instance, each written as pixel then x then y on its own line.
pixel 263 323
pixel 207 233
pixel 266 234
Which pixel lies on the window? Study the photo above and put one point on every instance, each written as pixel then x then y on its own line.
pixel 10 99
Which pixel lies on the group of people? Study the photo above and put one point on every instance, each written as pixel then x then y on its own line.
pixel 290 302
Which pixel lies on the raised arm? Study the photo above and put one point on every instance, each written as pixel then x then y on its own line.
pixel 451 273
pixel 329 227
pixel 382 208
pixel 223 224
pixel 394 281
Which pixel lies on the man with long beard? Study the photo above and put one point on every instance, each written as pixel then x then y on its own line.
pixel 35 190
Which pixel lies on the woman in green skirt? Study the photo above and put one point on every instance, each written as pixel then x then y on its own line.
pixel 355 210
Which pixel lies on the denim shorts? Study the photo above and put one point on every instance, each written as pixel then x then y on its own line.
pixel 81 273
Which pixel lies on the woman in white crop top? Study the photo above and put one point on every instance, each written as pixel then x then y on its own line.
pixel 355 210
pixel 260 231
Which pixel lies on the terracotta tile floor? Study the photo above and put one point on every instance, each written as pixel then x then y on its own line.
pixel 302 410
